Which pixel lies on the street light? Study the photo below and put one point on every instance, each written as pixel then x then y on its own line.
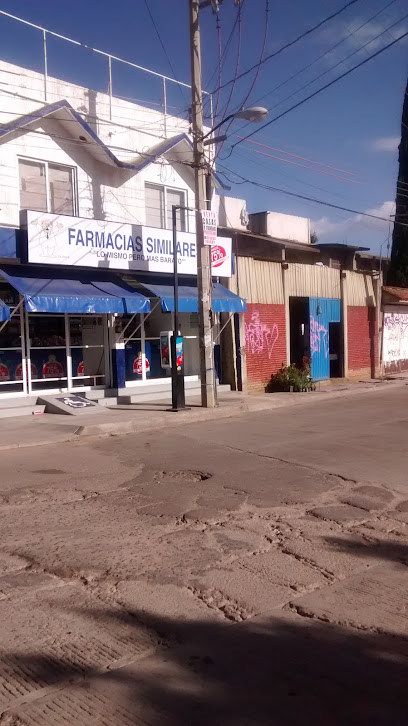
pixel 255 114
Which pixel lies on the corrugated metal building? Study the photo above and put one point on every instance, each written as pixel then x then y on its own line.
pixel 303 300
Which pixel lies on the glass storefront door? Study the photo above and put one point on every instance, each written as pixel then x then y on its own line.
pixel 13 377
pixel 87 346
pixel 66 352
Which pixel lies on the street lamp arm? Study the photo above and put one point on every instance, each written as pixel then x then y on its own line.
pixel 217 126
pixel 256 114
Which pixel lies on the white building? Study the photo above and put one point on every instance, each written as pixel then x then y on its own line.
pixel 87 187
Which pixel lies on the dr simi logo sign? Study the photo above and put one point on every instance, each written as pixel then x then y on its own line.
pixel 56 239
pixel 218 255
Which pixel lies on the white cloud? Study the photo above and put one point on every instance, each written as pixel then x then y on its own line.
pixel 386 143
pixel 357 41
pixel 355 229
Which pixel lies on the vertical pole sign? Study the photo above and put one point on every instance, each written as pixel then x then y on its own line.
pixel 177 359
pixel 209 219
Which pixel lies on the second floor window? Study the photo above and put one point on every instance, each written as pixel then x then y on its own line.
pixel 46 187
pixel 159 203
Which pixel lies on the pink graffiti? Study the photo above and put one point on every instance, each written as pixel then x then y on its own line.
pixel 258 336
pixel 318 335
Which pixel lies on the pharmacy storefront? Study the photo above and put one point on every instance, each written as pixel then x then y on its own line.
pixel 84 302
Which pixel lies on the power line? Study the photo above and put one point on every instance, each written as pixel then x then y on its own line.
pixel 301 196
pixel 341 62
pixel 265 38
pixel 307 183
pixel 252 86
pixel 323 88
pixel 291 43
pixel 304 166
pixel 239 14
pixel 114 105
pixel 323 55
pixel 165 51
pixel 324 73
pixel 225 50
pixel 296 156
pixel 219 65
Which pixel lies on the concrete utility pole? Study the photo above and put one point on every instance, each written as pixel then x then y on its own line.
pixel 204 279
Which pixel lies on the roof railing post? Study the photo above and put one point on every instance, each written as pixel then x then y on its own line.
pixel 45 65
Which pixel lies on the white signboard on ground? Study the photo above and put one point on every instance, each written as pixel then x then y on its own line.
pixel 55 239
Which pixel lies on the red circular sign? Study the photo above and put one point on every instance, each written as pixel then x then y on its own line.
pixel 218 255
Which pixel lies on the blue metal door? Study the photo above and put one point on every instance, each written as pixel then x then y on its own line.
pixel 322 311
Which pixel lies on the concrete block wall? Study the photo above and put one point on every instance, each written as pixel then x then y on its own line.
pixel 362 341
pixel 265 342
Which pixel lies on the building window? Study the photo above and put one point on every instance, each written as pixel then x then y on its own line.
pixel 159 203
pixel 46 187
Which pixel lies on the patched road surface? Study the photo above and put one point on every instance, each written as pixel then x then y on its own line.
pixel 249 571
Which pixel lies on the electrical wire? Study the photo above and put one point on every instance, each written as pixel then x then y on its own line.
pixel 296 156
pixel 265 38
pixel 225 51
pixel 304 166
pixel 252 86
pixel 324 73
pixel 219 66
pixel 77 142
pixel 237 62
pixel 165 51
pixel 323 55
pixel 323 88
pixel 302 196
pixel 266 169
pixel 291 43
pixel 98 118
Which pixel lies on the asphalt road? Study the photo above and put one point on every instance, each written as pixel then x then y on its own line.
pixel 245 571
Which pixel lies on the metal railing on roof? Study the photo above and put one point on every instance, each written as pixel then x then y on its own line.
pixel 165 79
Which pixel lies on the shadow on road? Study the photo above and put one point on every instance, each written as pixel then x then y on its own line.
pixel 393 551
pixel 280 671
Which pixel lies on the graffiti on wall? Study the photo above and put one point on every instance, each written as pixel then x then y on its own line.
pixel 395 334
pixel 259 337
pixel 319 337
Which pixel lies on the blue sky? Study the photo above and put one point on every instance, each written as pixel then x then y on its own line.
pixel 353 128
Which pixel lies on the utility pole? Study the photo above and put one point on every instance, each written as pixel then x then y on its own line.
pixel 204 279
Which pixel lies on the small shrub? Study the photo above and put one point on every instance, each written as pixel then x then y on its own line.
pixel 291 377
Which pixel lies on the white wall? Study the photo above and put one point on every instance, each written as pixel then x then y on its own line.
pixel 395 341
pixel 104 192
pixel 281 226
pixel 232 212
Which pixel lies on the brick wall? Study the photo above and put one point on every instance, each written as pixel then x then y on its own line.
pixel 265 342
pixel 362 341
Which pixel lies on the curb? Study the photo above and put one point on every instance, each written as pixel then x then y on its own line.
pixel 255 405
pixel 112 428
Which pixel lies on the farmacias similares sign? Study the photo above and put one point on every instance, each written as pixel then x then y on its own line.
pixel 55 239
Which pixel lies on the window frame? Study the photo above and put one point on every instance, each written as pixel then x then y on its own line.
pixel 46 163
pixel 165 188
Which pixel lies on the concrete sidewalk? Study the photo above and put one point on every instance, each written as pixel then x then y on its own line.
pixel 21 432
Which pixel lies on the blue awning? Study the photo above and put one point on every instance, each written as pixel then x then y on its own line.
pixel 223 300
pixel 4 312
pixel 75 291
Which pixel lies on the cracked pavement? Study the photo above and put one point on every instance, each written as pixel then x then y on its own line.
pixel 236 572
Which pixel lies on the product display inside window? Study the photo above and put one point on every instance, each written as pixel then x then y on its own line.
pixel 11 356
pixel 48 356
pixel 142 343
pixel 56 364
